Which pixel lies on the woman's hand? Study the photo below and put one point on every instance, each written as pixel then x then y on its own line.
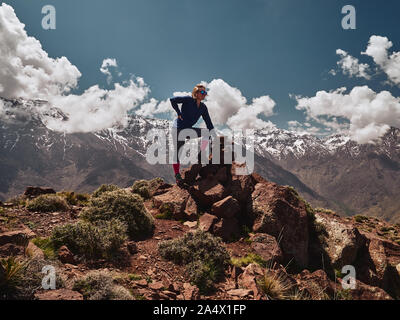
pixel 180 117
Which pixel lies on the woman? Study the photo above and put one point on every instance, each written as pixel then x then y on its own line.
pixel 190 112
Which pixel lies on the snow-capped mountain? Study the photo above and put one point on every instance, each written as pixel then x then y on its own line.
pixel 335 172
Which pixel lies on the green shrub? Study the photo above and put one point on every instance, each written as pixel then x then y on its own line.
pixel 145 188
pixel 92 240
pixel 24 278
pixel 141 187
pixel 11 271
pixel 47 247
pixel 275 286
pixel 248 259
pixel 360 219
pixel 47 203
pixel 99 285
pixel 73 198
pixel 104 188
pixel 166 211
pixel 203 254
pixel 124 206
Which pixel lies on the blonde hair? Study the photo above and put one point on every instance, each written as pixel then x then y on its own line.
pixel 197 88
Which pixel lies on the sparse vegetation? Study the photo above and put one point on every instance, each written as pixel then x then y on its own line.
pixel 275 286
pixel 203 254
pixel 11 271
pixel 47 203
pixel 145 188
pixel 166 211
pixel 122 205
pixel 249 258
pixel 47 247
pixel 17 200
pixel 92 240
pixel 141 187
pixel 324 210
pixel 99 285
pixel 73 198
pixel 360 219
pixel 104 188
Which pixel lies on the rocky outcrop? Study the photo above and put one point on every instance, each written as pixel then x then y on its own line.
pixel 59 294
pixel 342 240
pixel 32 192
pixel 276 211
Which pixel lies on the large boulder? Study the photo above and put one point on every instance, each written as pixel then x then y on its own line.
pixel 377 264
pixel 275 210
pixel 342 239
pixel 227 228
pixel 18 237
pixel 267 248
pixel 316 285
pixel 249 279
pixel 207 222
pixel 174 200
pixel 208 191
pixel 226 208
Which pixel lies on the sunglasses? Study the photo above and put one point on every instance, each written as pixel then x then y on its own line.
pixel 203 92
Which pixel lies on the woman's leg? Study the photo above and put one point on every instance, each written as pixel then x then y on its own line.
pixel 177 146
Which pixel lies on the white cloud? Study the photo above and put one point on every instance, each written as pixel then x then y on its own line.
pixel 247 116
pixel 351 66
pixel 27 71
pixel 98 108
pixel 107 63
pixel 378 48
pixel 226 105
pixel 366 115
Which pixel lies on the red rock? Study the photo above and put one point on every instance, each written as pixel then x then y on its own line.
pixel 342 240
pixel 33 251
pixel 66 256
pixel 317 285
pixel 175 200
pixel 190 292
pixel 206 222
pixel 222 175
pixel 240 292
pixel 366 292
pixel 32 192
pixel 248 279
pixel 189 175
pixel 241 188
pixel 208 191
pixel 191 209
pixel 11 249
pixel 376 265
pixel 156 285
pixel 267 248
pixel 18 237
pixel 277 212
pixel 59 294
pixel 227 229
pixel 226 208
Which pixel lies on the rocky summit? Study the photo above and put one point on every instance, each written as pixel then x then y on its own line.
pixel 216 235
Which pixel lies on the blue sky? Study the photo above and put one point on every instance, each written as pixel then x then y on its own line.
pixel 261 47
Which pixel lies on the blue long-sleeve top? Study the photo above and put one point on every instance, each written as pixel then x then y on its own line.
pixel 190 112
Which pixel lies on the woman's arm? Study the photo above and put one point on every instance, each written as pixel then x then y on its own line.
pixel 174 103
pixel 207 119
